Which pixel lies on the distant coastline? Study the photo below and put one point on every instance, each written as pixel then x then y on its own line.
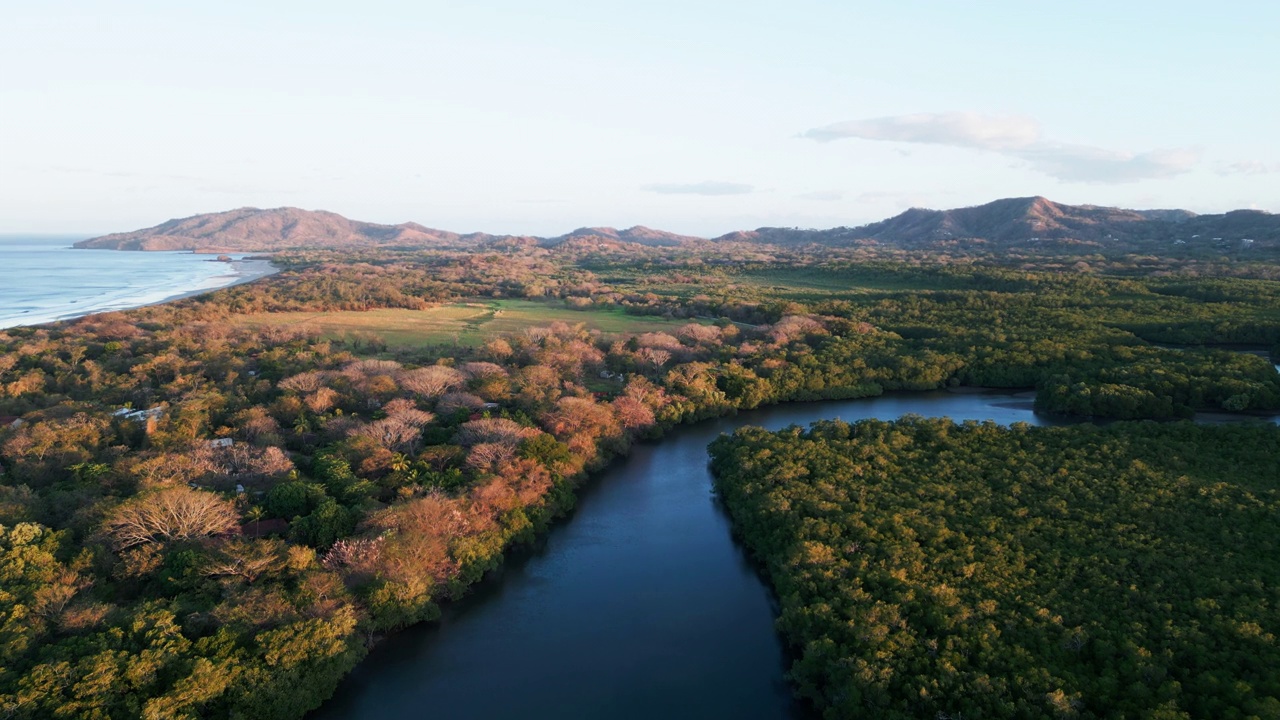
pixel 48 281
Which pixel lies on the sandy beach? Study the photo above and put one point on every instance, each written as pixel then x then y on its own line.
pixel 241 272
pixel 48 281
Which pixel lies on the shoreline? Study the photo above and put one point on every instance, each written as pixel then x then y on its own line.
pixel 243 271
pixel 239 271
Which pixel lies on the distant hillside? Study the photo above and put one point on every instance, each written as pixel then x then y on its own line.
pixel 638 234
pixel 1008 221
pixel 1036 224
pixel 1013 225
pixel 254 230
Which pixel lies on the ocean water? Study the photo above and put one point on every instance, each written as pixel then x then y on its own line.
pixel 43 279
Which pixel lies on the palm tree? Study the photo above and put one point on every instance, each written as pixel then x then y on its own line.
pixel 400 462
pixel 254 515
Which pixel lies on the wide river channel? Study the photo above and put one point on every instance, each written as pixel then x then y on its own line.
pixel 640 605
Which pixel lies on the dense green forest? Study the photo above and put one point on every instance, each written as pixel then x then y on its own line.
pixel 207 517
pixel 928 569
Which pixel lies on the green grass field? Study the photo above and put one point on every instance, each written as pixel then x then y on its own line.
pixel 462 323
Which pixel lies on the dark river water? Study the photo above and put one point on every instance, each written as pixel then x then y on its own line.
pixel 640 605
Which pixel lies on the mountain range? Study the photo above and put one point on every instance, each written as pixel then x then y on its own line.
pixel 1032 224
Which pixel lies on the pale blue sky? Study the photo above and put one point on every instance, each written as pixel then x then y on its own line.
pixel 698 117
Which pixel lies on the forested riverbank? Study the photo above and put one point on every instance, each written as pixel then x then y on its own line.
pixel 640 604
pixel 933 569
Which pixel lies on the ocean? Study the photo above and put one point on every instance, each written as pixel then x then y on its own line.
pixel 42 278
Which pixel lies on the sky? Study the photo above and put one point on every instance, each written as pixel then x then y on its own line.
pixel 700 117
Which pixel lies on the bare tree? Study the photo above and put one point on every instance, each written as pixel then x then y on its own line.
pixel 399 405
pixel 175 468
pixel 415 417
pixel 499 430
pixel 370 368
pixel 392 433
pixel 643 389
pixel 653 356
pixel 487 456
pixel 483 370
pixel 699 334
pixel 307 382
pixel 172 513
pixel 246 559
pixel 431 381
pixel 357 554
pixel 249 460
pixel 450 402
pixel 659 341
pixel 402 427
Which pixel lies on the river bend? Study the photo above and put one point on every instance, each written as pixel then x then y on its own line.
pixel 639 606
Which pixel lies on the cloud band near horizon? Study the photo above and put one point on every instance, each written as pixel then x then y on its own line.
pixel 1016 136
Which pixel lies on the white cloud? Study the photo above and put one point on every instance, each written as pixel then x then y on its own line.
pixel 957 129
pixel 1019 137
pixel 708 187
pixel 1249 167
pixel 1081 163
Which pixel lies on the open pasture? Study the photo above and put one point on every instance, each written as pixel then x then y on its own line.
pixel 463 323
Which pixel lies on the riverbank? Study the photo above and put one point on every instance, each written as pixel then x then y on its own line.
pixel 640 592
pixel 965 546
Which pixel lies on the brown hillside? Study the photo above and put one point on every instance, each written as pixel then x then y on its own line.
pixel 1038 225
pixel 1008 226
pixel 255 230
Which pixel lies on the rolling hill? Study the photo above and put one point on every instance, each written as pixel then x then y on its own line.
pixel 1035 224
pixel 1012 225
pixel 255 230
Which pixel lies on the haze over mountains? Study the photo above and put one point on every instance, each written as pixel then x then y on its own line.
pixel 1032 224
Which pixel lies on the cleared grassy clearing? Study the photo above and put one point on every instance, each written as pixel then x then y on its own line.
pixel 463 323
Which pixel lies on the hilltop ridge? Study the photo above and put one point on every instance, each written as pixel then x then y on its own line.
pixel 255 230
pixel 1037 224
pixel 1028 224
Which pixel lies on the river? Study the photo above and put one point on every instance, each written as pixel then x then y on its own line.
pixel 638 606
